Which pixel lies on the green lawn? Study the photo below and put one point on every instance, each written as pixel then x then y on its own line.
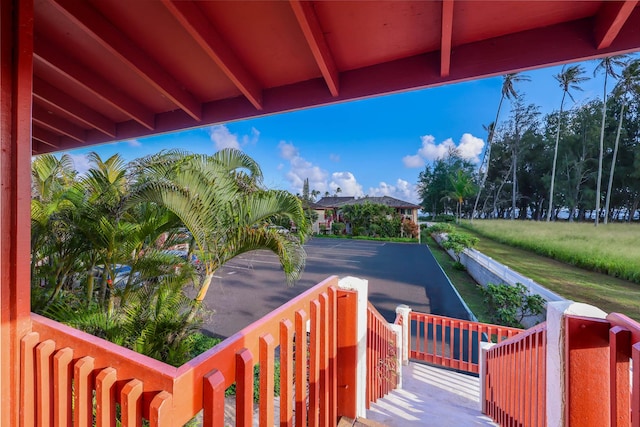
pixel 609 293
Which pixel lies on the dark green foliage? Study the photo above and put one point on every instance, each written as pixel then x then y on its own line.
pixel 458 242
pixel 441 228
pixel 373 220
pixel 338 227
pixel 509 305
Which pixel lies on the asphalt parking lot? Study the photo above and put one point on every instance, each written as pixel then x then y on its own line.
pixel 252 285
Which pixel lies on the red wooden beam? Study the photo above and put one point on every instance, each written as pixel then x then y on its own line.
pixel 16 65
pixel 54 123
pixel 46 137
pixel 115 42
pixel 202 31
pixel 610 20
pixel 308 21
pixel 447 33
pixel 52 97
pixel 52 57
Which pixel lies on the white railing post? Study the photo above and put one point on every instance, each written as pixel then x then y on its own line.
pixel 362 287
pixel 404 310
pixel 482 362
pixel 397 329
pixel 556 363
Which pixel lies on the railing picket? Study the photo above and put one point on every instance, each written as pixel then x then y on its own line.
pixel 244 388
pixel 62 374
pixel 333 349
pixel 619 347
pixel 314 368
pixel 635 390
pixel 160 410
pixel 28 377
pixel 131 403
pixel 267 346
pixel 213 395
pixel 44 382
pixel 106 398
pixel 301 368
pixel 324 360
pixel 286 373
pixel 83 396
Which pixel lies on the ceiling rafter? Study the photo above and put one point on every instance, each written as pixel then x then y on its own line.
pixel 610 20
pixel 46 137
pixel 308 21
pixel 67 66
pixel 445 40
pixel 50 96
pixel 204 33
pixel 48 120
pixel 102 31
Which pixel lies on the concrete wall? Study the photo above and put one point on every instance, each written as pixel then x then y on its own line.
pixel 485 270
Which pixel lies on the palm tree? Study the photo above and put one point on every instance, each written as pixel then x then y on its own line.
pixel 462 187
pixel 508 91
pixel 608 65
pixel 569 78
pixel 221 202
pixel 629 82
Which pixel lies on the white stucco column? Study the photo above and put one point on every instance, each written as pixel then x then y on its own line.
pixel 482 362
pixel 404 310
pixel 556 366
pixel 362 287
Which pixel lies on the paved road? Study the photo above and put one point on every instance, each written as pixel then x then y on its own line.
pixel 251 286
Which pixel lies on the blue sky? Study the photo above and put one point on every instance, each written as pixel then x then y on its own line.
pixel 372 147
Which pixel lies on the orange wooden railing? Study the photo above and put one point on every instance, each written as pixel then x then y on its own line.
pixel 74 378
pixel 515 379
pixel 382 356
pixel 452 343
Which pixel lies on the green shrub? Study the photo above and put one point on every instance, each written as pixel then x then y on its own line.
pixel 338 227
pixel 458 242
pixel 441 227
pixel 445 218
pixel 509 305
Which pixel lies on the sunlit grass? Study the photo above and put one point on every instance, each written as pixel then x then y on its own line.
pixel 609 293
pixel 613 249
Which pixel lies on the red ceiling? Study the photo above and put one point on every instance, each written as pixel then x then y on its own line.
pixel 108 70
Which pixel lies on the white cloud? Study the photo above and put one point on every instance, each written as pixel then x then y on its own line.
pixel 287 151
pixel 81 163
pixel 347 183
pixel 223 138
pixel 469 148
pixel 402 190
pixel 334 157
pixel 134 143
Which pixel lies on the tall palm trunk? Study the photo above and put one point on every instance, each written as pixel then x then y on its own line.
pixel 555 159
pixel 613 164
pixel 604 114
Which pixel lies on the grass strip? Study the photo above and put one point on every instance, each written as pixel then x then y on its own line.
pixel 608 293
pixel 611 249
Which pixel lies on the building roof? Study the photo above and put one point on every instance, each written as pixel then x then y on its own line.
pixel 102 74
pixel 335 202
pixel 384 200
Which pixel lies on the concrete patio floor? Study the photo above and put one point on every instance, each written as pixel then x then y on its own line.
pixel 431 396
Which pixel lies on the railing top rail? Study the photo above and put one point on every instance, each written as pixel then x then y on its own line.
pixel 373 310
pixel 618 319
pixel 415 314
pixel 248 337
pixel 398 319
pixel 522 335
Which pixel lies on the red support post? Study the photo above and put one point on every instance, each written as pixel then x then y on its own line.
pixel 16 83
pixel 587 374
pixel 347 353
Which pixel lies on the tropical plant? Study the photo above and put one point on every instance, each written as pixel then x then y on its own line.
pixel 509 305
pixel 508 91
pixel 628 84
pixel 569 79
pixel 462 186
pixel 608 66
pixel 220 200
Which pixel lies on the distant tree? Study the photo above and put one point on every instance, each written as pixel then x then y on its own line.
pixel 569 78
pixel 462 186
pixel 305 190
pixel 607 65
